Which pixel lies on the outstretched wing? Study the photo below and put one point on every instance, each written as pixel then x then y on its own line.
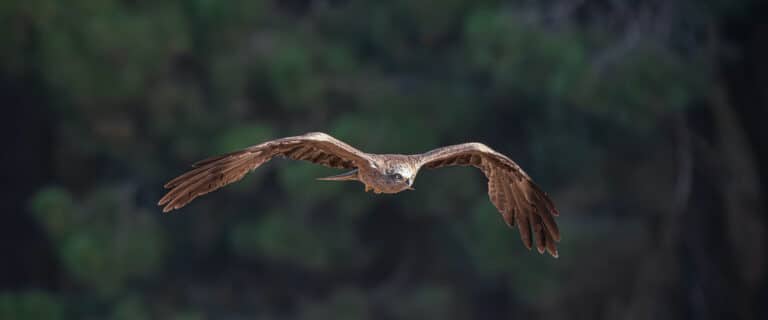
pixel 213 173
pixel 520 201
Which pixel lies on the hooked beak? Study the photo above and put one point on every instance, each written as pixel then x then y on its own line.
pixel 410 183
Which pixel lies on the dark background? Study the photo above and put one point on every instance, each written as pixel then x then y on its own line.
pixel 645 121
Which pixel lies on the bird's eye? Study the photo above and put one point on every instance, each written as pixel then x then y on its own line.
pixel 398 176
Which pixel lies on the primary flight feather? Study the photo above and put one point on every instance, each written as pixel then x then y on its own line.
pixel 519 200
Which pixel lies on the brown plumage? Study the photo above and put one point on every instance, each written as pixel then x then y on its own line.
pixel 519 200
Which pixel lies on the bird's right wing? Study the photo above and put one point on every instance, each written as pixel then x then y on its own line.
pixel 213 173
pixel 519 200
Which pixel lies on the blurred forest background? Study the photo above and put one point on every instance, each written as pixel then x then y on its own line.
pixel 643 119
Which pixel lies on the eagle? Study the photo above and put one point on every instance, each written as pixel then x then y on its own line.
pixel 519 200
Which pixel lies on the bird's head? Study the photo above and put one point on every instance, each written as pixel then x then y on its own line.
pixel 400 176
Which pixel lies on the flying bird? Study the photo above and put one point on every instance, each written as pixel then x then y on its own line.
pixel 519 200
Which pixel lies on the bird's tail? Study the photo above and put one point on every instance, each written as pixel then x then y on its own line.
pixel 347 176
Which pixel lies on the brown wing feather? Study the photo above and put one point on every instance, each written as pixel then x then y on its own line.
pixel 216 172
pixel 519 200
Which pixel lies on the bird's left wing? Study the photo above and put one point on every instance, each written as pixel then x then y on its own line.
pixel 520 201
pixel 213 173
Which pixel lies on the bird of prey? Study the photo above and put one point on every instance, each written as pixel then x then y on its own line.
pixel 519 200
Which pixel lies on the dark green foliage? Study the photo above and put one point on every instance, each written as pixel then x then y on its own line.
pixel 130 309
pixel 140 89
pixel 103 242
pixel 30 305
